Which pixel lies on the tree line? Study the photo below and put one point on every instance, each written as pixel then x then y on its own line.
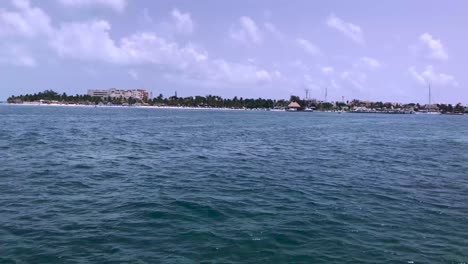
pixel 49 96
pixel 214 101
pixel 448 108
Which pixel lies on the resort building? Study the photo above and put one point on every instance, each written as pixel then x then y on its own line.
pixel 98 93
pixel 293 106
pixel 113 93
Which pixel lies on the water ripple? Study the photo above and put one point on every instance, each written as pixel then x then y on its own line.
pixel 95 185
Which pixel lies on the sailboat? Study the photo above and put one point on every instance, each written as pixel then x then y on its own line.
pixel 429 106
pixel 430 102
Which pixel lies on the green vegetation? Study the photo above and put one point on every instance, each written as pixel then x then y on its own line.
pixel 50 96
pixel 214 101
pixel 448 108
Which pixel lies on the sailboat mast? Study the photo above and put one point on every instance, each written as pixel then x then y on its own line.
pixel 326 93
pixel 430 96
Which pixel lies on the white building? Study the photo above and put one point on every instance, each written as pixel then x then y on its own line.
pixel 113 93
pixel 99 93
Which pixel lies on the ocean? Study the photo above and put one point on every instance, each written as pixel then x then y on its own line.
pixel 135 185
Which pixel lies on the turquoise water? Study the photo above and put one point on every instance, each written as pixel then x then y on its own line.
pixel 114 185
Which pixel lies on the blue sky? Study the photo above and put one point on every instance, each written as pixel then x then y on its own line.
pixel 370 50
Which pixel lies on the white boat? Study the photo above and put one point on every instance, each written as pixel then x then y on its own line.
pixel 291 110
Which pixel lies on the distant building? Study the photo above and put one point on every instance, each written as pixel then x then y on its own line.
pixel 98 93
pixel 311 101
pixel 113 93
pixel 431 107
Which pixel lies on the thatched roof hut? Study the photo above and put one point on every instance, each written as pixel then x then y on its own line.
pixel 294 105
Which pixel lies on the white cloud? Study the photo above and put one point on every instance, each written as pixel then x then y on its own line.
pixel 429 75
pixel 91 71
pixel 248 33
pixel 310 83
pixel 434 47
pixel 145 17
pixel 16 55
pixel 134 74
pixel 26 21
pixel 308 47
pixel 116 5
pixel 350 30
pixel 86 41
pixel 263 76
pixel 328 70
pixel 24 60
pixel 183 22
pixel 356 79
pixel 271 28
pixel 416 75
pixel 274 31
pixel 370 63
pixel 267 14
pixel 334 84
pixel 225 72
pixel 300 65
pixel 91 41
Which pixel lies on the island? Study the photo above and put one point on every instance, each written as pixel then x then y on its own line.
pixel 142 98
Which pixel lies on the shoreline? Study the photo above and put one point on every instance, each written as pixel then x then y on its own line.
pixel 215 109
pixel 141 107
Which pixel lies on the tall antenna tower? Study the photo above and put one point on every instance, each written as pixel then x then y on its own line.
pixel 307 93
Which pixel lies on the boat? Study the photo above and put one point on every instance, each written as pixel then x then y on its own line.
pixel 452 113
pixel 429 110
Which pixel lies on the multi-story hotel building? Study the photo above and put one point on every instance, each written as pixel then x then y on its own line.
pixel 139 94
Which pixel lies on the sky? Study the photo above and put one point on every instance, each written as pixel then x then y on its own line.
pixel 362 49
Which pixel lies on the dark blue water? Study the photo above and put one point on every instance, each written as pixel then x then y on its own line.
pixel 113 185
